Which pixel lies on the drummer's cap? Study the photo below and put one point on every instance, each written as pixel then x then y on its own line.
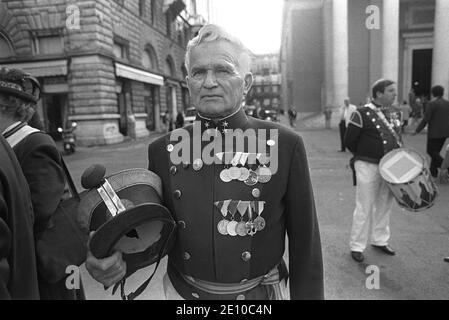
pixel 17 83
pixel 380 86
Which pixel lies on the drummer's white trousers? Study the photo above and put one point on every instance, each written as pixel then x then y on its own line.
pixel 374 202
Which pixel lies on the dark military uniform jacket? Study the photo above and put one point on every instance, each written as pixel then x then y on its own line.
pixel 195 194
pixel 18 272
pixel 370 135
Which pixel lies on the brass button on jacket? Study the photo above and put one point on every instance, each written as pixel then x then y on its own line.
pixel 246 256
pixel 186 256
pixel 182 224
pixel 177 194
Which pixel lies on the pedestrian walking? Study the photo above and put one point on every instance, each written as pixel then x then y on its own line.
pixel 345 115
pixel 437 119
pixel 369 138
pixel 406 111
pixel 292 115
pixel 328 117
pixel 179 120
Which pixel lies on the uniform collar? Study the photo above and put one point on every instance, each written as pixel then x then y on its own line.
pixel 237 120
pixel 375 106
pixel 11 127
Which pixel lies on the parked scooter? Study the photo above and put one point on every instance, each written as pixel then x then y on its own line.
pixel 68 139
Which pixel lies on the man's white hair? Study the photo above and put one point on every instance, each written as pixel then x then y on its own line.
pixel 212 33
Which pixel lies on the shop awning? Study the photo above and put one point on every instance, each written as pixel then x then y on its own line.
pixel 128 72
pixel 49 68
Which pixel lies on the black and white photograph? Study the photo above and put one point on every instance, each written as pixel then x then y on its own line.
pixel 236 151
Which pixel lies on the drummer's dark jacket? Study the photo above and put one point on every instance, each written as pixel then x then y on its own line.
pixel 18 272
pixel 367 136
pixel 203 253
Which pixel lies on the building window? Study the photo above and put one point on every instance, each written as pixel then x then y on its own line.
pixel 168 22
pixel 259 90
pixel 48 45
pixel 153 11
pixel 275 89
pixel 169 68
pixel 5 48
pixel 141 8
pixel 149 60
pixel 120 50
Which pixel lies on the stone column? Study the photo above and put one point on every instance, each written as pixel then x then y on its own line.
pixel 440 68
pixel 390 40
pixel 340 51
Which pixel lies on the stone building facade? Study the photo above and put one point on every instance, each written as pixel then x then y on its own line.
pixel 116 67
pixel 332 49
pixel 267 81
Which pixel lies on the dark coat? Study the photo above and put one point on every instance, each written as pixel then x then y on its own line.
pixel 203 253
pixel 18 272
pixel 41 164
pixel 437 117
pixel 367 137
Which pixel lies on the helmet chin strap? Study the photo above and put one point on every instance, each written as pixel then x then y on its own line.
pixel 144 285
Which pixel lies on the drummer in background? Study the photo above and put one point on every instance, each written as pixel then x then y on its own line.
pixel 369 137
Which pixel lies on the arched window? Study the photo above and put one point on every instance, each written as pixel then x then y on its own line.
pixel 149 59
pixel 5 47
pixel 169 66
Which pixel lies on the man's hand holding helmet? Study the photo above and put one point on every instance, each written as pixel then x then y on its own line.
pixel 107 271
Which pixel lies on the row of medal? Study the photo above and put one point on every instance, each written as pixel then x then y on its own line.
pixel 235 169
pixel 242 228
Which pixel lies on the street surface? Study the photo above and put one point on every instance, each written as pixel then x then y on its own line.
pixel 421 240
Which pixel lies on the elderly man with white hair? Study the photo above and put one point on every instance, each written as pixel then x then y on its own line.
pixel 233 215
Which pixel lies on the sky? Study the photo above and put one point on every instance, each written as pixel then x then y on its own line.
pixel 257 23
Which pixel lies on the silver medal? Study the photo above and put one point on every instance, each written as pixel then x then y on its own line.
pixel 224 176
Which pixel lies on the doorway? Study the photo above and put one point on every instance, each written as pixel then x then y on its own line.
pixel 124 105
pixel 150 94
pixel 422 72
pixel 55 113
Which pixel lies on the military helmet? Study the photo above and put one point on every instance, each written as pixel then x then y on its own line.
pixel 125 211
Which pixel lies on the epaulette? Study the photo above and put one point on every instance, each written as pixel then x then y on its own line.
pixel 356 119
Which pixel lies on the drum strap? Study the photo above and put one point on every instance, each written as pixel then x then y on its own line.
pixel 388 125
